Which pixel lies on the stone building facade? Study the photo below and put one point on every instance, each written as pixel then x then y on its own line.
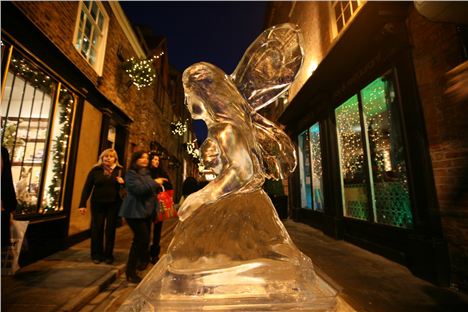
pixel 382 149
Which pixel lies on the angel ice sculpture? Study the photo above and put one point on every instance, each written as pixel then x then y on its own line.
pixel 230 251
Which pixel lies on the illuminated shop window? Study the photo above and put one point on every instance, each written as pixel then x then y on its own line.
pixel 304 170
pixel 91 33
pixel 351 152
pixel 36 114
pixel 310 162
pixel 343 11
pixel 372 162
pixel 316 167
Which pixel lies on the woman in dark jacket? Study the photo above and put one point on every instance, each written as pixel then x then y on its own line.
pixel 8 195
pixel 138 208
pixel 104 182
pixel 160 176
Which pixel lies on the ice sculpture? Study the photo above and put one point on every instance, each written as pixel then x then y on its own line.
pixel 230 251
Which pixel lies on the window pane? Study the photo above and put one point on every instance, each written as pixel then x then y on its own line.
pixel 94 10
pixel 338 9
pixel 317 177
pixel 79 41
pixel 95 37
pixel 92 55
pixel 347 12
pixel 387 154
pixel 344 10
pixel 82 19
pixel 88 28
pixel 351 153
pixel 26 109
pixel 56 161
pixel 339 24
pixel 85 47
pixel 100 20
pixel 304 170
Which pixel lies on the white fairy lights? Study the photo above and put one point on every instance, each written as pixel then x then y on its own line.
pixel 141 71
pixel 178 127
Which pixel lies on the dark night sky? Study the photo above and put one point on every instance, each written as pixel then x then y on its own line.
pixel 217 32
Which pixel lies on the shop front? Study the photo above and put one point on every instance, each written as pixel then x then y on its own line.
pixel 364 169
pixel 54 124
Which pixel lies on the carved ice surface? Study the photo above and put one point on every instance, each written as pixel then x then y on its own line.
pixel 230 251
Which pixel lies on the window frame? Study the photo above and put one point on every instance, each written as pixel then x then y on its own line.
pixel 49 140
pixel 335 33
pixel 372 205
pixel 301 164
pixel 101 44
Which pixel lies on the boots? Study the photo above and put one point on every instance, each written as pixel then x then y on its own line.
pixel 133 278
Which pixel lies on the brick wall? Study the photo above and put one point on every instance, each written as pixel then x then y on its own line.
pixel 57 20
pixel 436 50
pixel 151 119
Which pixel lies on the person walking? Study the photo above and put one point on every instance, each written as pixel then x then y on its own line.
pixel 189 186
pixel 160 176
pixel 138 209
pixel 103 182
pixel 8 195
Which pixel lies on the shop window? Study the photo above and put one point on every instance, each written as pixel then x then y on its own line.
pixel 36 122
pixel 351 155
pixel 372 156
pixel 111 133
pixel 91 33
pixel 304 170
pixel 310 163
pixel 343 12
pixel 387 154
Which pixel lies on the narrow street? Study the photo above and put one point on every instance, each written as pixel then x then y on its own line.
pixel 364 281
pixel 111 298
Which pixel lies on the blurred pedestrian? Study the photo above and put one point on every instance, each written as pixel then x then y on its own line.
pixel 103 182
pixel 457 83
pixel 8 197
pixel 161 177
pixel 138 209
pixel 457 91
pixel 189 186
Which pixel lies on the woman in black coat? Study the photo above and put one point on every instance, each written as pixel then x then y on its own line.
pixel 8 197
pixel 103 181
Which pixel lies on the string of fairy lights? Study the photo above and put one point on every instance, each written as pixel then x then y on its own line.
pixel 141 71
pixel 39 80
pixel 179 127
pixel 66 100
pixel 377 116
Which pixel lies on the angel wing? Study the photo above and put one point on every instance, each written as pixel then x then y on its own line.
pixel 270 65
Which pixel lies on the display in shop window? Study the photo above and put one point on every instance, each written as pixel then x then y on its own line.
pixel 36 134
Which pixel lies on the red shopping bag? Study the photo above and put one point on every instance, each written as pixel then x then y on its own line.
pixel 166 209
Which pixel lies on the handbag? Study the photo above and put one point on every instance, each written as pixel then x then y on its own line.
pixel 10 255
pixel 166 209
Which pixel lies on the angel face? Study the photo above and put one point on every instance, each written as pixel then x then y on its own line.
pixel 196 107
pixel 211 95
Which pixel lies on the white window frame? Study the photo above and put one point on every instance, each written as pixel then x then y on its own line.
pixel 101 44
pixel 334 19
